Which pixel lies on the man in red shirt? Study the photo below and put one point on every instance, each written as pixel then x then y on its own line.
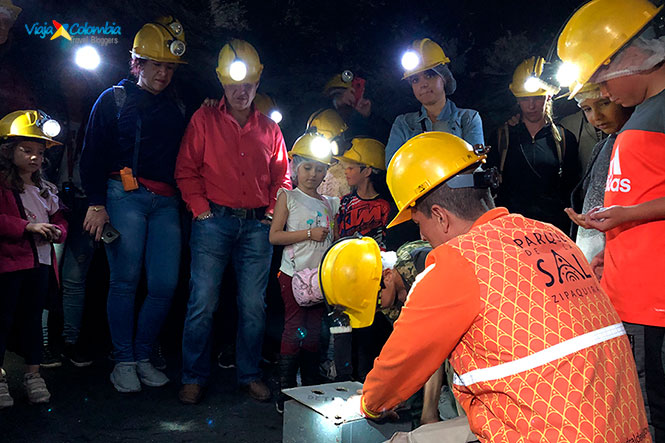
pixel 232 161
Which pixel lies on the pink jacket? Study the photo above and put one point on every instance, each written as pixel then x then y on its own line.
pixel 17 248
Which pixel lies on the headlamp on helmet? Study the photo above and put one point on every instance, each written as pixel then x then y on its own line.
pixel 87 58
pixel 480 179
pixel 276 116
pixel 176 46
pixel 567 74
pixel 410 60
pixel 321 147
pixel 49 126
pixel 238 68
pixel 532 84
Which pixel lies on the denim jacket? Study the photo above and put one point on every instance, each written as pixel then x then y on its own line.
pixel 464 123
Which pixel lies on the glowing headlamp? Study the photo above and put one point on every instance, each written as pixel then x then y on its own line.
pixel 321 147
pixel 410 60
pixel 532 84
pixel 49 126
pixel 276 116
pixel 334 148
pixel 238 70
pixel 567 74
pixel 87 58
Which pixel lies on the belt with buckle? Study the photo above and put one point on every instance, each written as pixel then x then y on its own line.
pixel 246 213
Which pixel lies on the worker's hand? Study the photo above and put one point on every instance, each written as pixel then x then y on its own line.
pixel 514 120
pixel 320 233
pixel 598 264
pixel 210 103
pixel 579 219
pixel 364 107
pixel 94 222
pixel 604 219
pixel 47 230
pixel 204 215
pixel 389 415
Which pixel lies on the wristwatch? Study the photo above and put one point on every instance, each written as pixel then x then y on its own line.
pixel 96 208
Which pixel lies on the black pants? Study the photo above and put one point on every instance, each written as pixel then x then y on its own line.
pixel 367 345
pixel 22 298
pixel 647 343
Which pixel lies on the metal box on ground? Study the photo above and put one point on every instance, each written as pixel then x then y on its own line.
pixel 328 413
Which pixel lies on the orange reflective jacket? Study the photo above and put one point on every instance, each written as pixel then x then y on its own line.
pixel 539 352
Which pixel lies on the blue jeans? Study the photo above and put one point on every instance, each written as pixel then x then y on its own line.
pixel 149 226
pixel 214 242
pixel 78 252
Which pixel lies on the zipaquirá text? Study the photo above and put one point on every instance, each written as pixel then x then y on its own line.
pixel 46 30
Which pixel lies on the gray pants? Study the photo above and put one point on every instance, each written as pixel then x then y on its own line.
pixel 455 430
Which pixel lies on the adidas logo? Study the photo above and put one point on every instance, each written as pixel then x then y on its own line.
pixel 614 181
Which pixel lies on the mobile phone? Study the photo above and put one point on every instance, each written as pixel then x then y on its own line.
pixel 109 233
pixel 358 85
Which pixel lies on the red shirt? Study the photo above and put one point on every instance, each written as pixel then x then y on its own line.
pixel 238 167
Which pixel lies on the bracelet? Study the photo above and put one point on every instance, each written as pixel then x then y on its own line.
pixel 366 411
pixel 205 217
pixel 96 208
pixel 268 217
pixel 309 233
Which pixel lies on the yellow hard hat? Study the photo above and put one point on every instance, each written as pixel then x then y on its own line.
pixel 264 103
pixel 267 106
pixel 531 68
pixel 366 151
pixel 160 42
pixel 422 55
pixel 339 81
pixel 313 147
pixel 238 63
pixel 350 276
pixel 424 162
pixel 328 123
pixel 30 124
pixel 595 33
pixel 11 9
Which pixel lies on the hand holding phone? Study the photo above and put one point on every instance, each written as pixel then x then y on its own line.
pixel 358 85
pixel 109 233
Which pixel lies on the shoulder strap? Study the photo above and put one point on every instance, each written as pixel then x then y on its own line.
pixel 503 149
pixel 559 136
pixel 120 96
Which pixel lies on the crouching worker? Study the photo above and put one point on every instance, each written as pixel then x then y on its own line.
pixel 538 351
